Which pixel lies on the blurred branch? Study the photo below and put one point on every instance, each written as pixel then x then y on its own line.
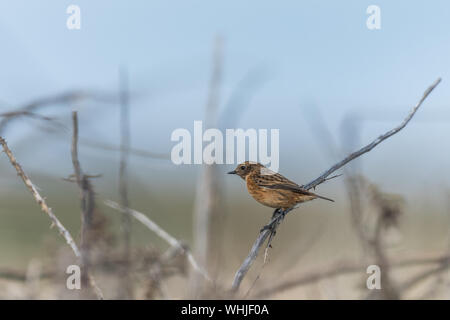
pixel 44 207
pixel 20 275
pixel 132 151
pixel 443 266
pixel 389 210
pixel 29 109
pixel 441 281
pixel 317 125
pixel 12 114
pixel 206 207
pixel 33 277
pixel 87 204
pixel 241 97
pixel 354 184
pixel 123 176
pixel 343 268
pixel 173 242
pixel 265 232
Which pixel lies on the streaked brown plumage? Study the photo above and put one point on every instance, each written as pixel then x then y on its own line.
pixel 272 189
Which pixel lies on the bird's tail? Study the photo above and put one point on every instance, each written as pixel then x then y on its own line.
pixel 323 198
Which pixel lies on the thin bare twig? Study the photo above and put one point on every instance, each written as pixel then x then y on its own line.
pixel 160 232
pixel 242 271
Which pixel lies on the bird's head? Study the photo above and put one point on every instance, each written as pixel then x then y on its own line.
pixel 245 168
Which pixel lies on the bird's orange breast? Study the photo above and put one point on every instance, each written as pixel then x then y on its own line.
pixel 274 198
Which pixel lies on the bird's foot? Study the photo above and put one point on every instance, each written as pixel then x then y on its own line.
pixel 277 216
pixel 276 212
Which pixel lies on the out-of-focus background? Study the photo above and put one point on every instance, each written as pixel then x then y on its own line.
pixel 313 70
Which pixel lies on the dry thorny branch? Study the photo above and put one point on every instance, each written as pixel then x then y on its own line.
pixel 271 227
pixel 154 266
pixel 44 207
pixel 30 110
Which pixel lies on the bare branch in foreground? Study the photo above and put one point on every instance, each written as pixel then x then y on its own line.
pixel 44 207
pixel 242 271
pixel 40 200
pixel 162 234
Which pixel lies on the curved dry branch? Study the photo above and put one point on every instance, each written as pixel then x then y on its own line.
pixel 160 232
pixel 264 234
pixel 30 109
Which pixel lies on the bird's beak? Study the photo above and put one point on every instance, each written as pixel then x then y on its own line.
pixel 232 172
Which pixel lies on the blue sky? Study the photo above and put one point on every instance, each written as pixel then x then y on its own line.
pixel 308 53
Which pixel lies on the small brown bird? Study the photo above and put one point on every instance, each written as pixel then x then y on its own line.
pixel 272 189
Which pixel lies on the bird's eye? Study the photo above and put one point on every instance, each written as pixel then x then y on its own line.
pixel 242 167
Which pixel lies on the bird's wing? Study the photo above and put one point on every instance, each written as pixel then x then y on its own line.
pixel 277 181
pixel 289 187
